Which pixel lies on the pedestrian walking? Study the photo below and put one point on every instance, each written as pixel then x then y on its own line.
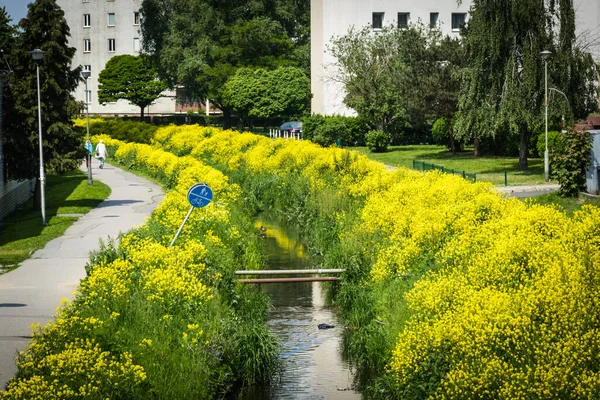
pixel 101 153
pixel 90 152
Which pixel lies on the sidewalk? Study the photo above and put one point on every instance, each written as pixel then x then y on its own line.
pixel 32 292
pixel 528 190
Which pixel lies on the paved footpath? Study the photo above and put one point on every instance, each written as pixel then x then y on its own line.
pixel 32 292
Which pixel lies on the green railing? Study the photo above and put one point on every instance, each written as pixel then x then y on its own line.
pixel 425 166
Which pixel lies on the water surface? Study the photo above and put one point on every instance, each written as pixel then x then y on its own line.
pixel 312 367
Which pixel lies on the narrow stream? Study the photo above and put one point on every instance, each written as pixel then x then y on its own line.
pixel 312 367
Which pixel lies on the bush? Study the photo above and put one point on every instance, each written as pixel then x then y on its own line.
pixel 439 131
pixel 553 141
pixel 123 129
pixel 326 130
pixel 570 160
pixel 377 141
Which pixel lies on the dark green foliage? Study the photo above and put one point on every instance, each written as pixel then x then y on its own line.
pixel 571 161
pixel 553 141
pixel 443 134
pixel 326 130
pixel 259 93
pixel 503 85
pixel 377 141
pixel 45 28
pixel 7 33
pixel 399 79
pixel 126 130
pixel 201 43
pixel 132 78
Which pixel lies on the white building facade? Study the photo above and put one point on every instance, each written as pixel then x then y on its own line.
pixel 100 30
pixel 332 18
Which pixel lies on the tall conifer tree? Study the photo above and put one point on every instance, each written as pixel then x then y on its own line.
pixel 45 28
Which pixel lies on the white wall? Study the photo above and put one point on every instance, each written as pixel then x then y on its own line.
pixel 99 32
pixel 587 19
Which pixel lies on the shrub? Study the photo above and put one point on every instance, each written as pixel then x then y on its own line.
pixel 377 141
pixel 326 130
pixel 122 129
pixel 439 131
pixel 570 160
pixel 553 141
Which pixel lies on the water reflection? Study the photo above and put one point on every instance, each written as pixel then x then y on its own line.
pixel 311 363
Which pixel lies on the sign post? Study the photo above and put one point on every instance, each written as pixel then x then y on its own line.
pixel 198 196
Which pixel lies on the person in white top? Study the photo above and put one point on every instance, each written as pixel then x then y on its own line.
pixel 101 153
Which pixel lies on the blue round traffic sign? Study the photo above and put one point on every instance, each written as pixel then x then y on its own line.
pixel 200 195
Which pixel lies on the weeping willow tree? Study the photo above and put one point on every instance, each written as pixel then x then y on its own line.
pixel 503 87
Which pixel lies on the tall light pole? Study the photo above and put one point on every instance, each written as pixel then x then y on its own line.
pixel 88 157
pixel 545 56
pixel 37 55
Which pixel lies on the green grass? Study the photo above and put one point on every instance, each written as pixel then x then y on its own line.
pixel 21 232
pixel 488 169
pixel 568 204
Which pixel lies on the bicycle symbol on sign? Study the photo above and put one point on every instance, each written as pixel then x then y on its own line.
pixel 200 195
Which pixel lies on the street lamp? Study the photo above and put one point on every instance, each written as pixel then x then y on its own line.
pixel 37 55
pixel 545 56
pixel 88 157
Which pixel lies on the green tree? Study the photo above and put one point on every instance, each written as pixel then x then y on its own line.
pixel 45 28
pixel 8 34
pixel 393 78
pixel 131 78
pixel 503 87
pixel 201 43
pixel 262 94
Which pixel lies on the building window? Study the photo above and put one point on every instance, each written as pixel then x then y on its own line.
pixel 87 45
pixel 87 20
pixel 136 18
pixel 136 44
pixel 433 19
pixel 458 19
pixel 378 20
pixel 111 19
pixel 403 19
pixel 111 45
pixel 87 67
pixel 88 96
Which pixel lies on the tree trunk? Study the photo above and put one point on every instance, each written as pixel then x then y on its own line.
pixel 476 146
pixel 452 141
pixel 142 113
pixel 226 118
pixel 523 142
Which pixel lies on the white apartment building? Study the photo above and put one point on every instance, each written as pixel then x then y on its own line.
pixel 332 18
pixel 100 30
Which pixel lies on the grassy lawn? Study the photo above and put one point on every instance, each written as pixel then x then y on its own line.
pixel 569 205
pixel 21 233
pixel 489 169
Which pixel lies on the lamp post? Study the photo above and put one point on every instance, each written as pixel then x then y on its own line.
pixel 545 56
pixel 37 55
pixel 88 157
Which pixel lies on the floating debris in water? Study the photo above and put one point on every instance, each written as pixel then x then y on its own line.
pixel 326 326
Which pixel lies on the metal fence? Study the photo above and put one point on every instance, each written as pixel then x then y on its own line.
pixel 276 133
pixel 425 166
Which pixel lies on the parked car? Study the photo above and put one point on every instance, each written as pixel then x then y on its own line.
pixel 294 127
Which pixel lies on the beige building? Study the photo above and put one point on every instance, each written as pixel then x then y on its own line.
pixel 331 18
pixel 100 30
